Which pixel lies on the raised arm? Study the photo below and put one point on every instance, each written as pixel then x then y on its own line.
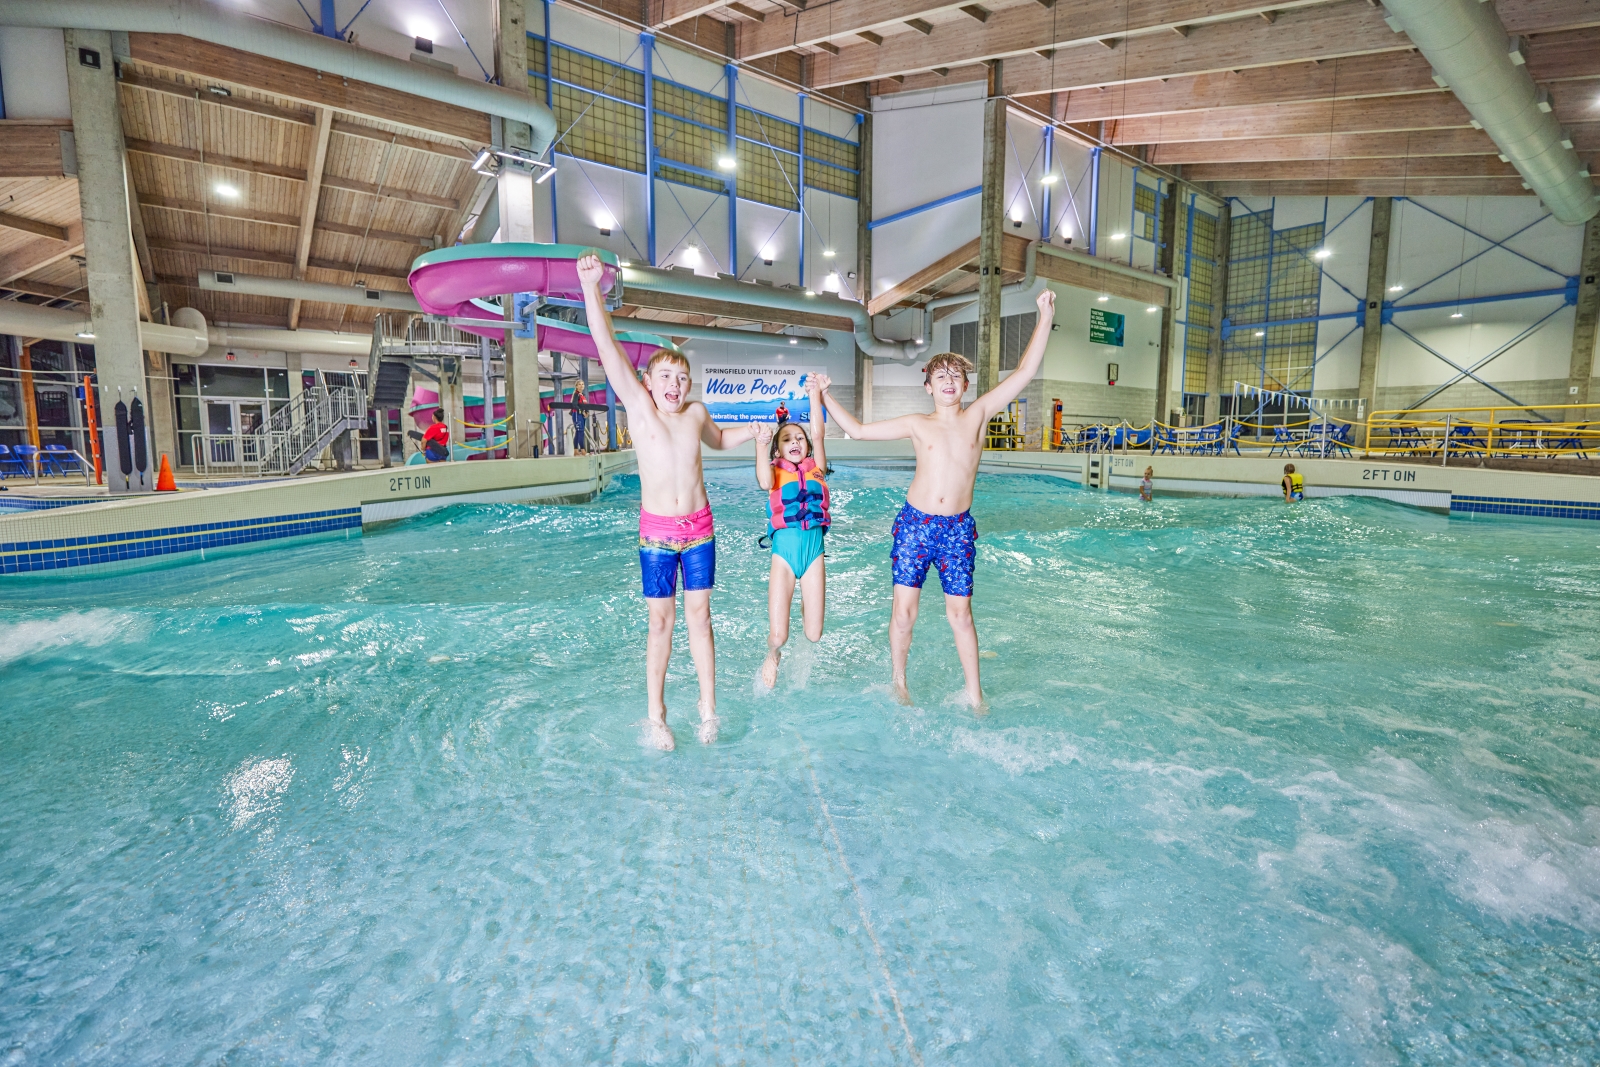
pixel 619 371
pixel 819 429
pixel 722 438
pixel 995 400
pixel 763 459
pixel 887 430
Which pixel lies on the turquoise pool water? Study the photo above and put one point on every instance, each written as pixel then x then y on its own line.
pixel 1314 785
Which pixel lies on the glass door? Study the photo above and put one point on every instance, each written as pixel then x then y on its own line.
pixel 252 420
pixel 220 445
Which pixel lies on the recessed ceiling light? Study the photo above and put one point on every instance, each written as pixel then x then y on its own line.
pixel 226 190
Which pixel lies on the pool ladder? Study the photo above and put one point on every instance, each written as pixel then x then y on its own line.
pixel 1096 470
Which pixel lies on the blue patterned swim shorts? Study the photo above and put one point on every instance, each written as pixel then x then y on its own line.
pixel 948 542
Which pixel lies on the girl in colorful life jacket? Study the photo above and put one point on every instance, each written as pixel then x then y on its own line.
pixel 792 468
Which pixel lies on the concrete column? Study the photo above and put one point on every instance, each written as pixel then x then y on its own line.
pixel 522 357
pixel 864 365
pixel 1219 311
pixel 107 238
pixel 1372 314
pixel 991 231
pixel 159 413
pixel 1583 326
pixel 1169 318
pixel 511 63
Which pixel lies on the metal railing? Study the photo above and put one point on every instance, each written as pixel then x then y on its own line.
pixel 1545 431
pixel 226 453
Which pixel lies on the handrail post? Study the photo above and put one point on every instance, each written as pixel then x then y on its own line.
pixel 1445 452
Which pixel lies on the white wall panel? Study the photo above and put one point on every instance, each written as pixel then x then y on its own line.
pixel 391 27
pixel 588 194
pixel 763 227
pixel 1116 206
pixel 585 33
pixel 688 217
pixel 922 153
pixel 902 248
pixel 830 226
pixel 33 68
pixel 1024 168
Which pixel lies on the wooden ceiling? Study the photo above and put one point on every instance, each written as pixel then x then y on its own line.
pixel 1307 97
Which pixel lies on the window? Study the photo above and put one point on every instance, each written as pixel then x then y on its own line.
pixel 1015 331
pixel 1200 268
pixel 1145 212
pixel 1272 280
pixel 232 381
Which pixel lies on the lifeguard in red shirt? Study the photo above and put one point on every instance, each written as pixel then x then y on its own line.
pixel 436 440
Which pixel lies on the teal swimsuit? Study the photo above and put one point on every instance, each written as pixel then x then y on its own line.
pixel 797 513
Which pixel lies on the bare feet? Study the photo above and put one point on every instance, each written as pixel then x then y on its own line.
pixel 657 735
pixel 769 668
pixel 902 695
pixel 707 730
pixel 979 703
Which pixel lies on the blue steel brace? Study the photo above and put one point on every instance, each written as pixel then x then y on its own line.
pixel 1045 225
pixel 611 417
pixel 647 43
pixel 330 21
pixel 800 192
pixel 549 102
pixel 1094 199
pixel 731 75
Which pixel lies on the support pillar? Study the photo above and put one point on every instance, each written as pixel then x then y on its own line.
pixel 1171 237
pixel 800 183
pixel 1372 313
pixel 1219 312
pixel 730 74
pixel 30 399
pixel 1583 325
pixel 647 49
pixel 159 411
pixel 865 371
pixel 107 238
pixel 991 232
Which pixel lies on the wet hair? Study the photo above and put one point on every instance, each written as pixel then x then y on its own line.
pixel 1288 468
pixel 438 414
pixel 772 449
pixel 665 355
pixel 951 360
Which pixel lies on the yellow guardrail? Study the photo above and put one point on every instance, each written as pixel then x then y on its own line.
pixel 1548 430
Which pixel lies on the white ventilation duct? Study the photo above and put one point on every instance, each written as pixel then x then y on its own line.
pixel 1470 51
pixel 223 281
pixel 189 334
pixel 211 22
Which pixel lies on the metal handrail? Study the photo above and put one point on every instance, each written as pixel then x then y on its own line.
pixel 301 424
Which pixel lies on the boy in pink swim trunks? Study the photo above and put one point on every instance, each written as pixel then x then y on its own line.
pixel 935 527
pixel 675 530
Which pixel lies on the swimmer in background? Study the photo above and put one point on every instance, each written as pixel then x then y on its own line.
pixel 436 441
pixel 792 468
pixel 1146 488
pixel 1294 486
pixel 935 527
pixel 675 528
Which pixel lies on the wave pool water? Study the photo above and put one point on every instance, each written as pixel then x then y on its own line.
pixel 1311 785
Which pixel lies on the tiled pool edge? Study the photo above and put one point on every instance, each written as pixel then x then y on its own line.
pixel 92 538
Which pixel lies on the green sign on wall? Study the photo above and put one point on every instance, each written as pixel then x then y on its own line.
pixel 1105 327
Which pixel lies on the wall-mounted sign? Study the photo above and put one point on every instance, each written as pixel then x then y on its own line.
pixel 1105 327
pixel 1113 370
pixel 757 392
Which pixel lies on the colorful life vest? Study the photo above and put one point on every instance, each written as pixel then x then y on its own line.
pixel 799 497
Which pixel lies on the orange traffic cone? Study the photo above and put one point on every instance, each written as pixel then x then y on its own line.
pixel 164 482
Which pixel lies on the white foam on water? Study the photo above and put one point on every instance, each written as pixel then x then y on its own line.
pixel 257 789
pixel 1017 750
pixel 90 629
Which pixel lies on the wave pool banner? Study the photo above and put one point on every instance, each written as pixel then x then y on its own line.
pixel 754 392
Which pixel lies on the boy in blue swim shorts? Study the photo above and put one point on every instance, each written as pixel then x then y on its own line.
pixel 935 528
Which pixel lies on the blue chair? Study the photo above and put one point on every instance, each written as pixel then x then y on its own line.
pixel 1340 440
pixel 1467 441
pixel 1166 440
pixel 1282 439
pixel 28 457
pixel 9 464
pixel 61 460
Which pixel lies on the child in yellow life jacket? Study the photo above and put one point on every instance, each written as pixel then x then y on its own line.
pixel 1294 485
pixel 791 466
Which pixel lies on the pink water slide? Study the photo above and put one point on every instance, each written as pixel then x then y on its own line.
pixel 454 281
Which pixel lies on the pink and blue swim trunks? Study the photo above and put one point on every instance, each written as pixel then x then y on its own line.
pixel 668 543
pixel 948 542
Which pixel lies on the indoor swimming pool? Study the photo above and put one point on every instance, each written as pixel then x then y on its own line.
pixel 1308 785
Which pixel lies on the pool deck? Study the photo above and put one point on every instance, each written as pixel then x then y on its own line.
pixel 63 534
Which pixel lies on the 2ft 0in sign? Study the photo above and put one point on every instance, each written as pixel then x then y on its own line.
pixel 1385 474
pixel 410 483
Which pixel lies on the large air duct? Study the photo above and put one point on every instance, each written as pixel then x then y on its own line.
pixel 683 283
pixel 223 281
pixel 189 334
pixel 1470 52
pixel 210 22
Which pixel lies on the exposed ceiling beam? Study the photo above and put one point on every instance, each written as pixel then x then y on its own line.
pixel 1377 187
pixel 39 253
pixel 151 83
pixel 303 85
pixel 1421 111
pixel 730 309
pixel 49 292
pixel 1456 142
pixel 350 185
pixel 316 162
pixel 282 259
pixel 660 13
pixel 1384 74
pixel 1308 170
pixel 215 159
pixel 32 149
pixel 420 144
pixel 802 28
pixel 33 226
pixel 1325 31
pixel 221 211
pixel 926 278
